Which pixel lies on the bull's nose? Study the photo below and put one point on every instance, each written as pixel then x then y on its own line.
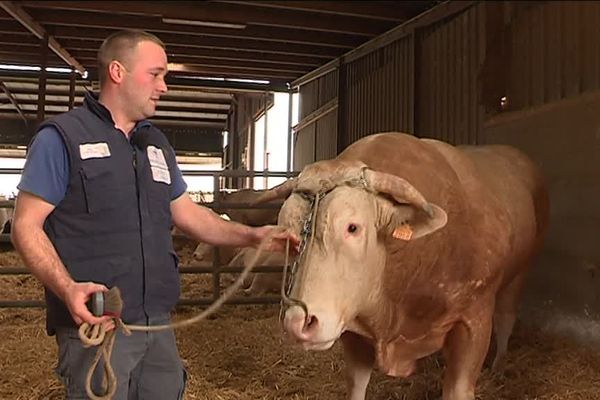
pixel 301 328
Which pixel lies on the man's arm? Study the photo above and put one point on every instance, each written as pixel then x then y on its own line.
pixel 40 256
pixel 203 224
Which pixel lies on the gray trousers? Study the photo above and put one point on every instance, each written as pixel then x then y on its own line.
pixel 146 364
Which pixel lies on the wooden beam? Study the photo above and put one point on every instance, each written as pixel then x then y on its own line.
pixel 54 18
pixel 12 100
pixel 17 12
pixel 90 56
pixel 72 85
pixel 16 39
pixel 29 59
pixel 81 91
pixel 213 121
pixel 379 10
pixel 160 107
pixel 237 72
pixel 99 35
pixel 274 85
pixel 87 49
pixel 12 26
pixel 245 14
pixel 26 48
pixel 53 103
pixel 41 100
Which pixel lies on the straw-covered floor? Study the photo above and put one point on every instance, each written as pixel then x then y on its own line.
pixel 240 354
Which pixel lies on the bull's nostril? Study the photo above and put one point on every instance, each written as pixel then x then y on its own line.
pixel 310 324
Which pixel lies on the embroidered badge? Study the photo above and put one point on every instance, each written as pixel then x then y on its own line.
pixel 158 165
pixel 94 150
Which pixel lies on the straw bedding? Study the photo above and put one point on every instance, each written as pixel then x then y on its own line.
pixel 241 354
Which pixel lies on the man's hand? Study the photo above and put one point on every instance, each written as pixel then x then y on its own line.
pixel 40 256
pixel 75 297
pixel 277 236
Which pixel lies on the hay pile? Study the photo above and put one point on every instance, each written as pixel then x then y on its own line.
pixel 240 354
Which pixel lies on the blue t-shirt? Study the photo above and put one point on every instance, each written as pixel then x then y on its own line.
pixel 47 169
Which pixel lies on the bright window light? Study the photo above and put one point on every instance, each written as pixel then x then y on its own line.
pixel 225 138
pixel 211 24
pixel 60 70
pixel 261 82
pixel 214 78
pixel 19 67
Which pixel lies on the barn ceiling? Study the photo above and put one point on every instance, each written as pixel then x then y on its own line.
pixel 215 48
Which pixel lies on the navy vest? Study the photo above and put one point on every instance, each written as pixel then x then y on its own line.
pixel 114 225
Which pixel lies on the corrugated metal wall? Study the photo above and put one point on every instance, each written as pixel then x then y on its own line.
pixel 309 98
pixel 450 54
pixel 423 82
pixel 379 92
pixel 247 108
pixel 554 52
pixel 444 77
pixel 317 93
pixel 317 140
pixel 325 137
pixel 304 147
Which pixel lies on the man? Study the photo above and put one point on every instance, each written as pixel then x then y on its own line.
pixel 98 196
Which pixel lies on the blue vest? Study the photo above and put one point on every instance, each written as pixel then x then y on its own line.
pixel 114 225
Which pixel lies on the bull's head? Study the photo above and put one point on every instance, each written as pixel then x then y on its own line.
pixel 340 273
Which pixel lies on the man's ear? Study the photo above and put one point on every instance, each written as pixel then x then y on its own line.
pixel 416 223
pixel 116 71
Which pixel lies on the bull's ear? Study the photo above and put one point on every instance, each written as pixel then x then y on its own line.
pixel 420 224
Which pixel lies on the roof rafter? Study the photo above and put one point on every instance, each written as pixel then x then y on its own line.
pixel 99 34
pixel 13 100
pixel 54 18
pixel 17 12
pixel 229 13
pixel 381 10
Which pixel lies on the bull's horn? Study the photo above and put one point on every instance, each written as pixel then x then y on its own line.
pixel 398 188
pixel 278 192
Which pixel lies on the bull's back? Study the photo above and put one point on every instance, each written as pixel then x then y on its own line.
pixel 514 179
pixel 506 177
pixel 498 184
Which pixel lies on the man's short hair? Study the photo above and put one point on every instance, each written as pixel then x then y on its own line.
pixel 120 46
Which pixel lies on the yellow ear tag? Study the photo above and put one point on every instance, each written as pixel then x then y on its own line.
pixel 403 232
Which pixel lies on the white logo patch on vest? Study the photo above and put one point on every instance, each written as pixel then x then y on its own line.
pixel 158 165
pixel 94 150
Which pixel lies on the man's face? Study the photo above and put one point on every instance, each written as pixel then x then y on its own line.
pixel 144 81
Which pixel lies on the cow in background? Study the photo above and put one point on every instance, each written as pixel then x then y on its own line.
pixel 248 216
pixel 6 216
pixel 260 282
pixel 257 282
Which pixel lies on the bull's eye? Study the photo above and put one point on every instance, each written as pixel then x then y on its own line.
pixel 352 228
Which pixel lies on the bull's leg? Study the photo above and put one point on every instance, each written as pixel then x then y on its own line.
pixel 359 357
pixel 505 315
pixel 465 350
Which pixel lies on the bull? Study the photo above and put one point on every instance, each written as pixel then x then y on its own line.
pixel 416 247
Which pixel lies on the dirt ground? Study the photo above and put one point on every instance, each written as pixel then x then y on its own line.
pixel 240 353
